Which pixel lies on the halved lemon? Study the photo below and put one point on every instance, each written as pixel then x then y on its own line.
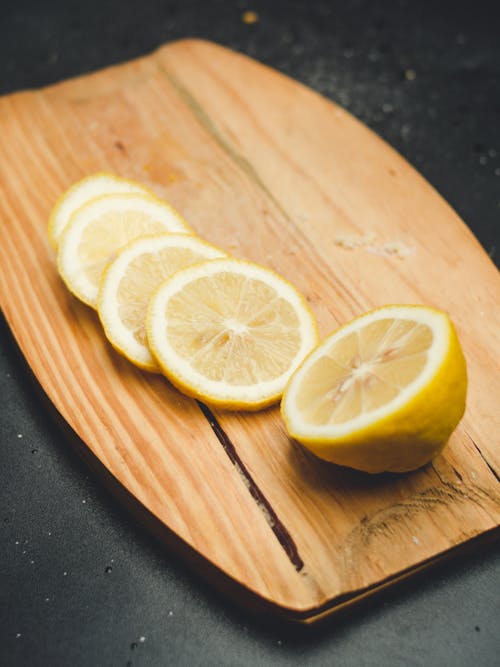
pixel 82 192
pixel 129 281
pixel 229 332
pixel 383 393
pixel 100 228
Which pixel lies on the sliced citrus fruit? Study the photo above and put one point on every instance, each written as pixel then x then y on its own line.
pixel 129 281
pixel 229 332
pixel 97 231
pixel 383 393
pixel 82 192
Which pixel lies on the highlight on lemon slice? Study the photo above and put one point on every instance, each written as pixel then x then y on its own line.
pixel 100 228
pixel 383 393
pixel 82 192
pixel 129 281
pixel 229 332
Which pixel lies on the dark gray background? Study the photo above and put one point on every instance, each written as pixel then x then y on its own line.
pixel 80 581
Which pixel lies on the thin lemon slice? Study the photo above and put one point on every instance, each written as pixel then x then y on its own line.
pixel 383 393
pixel 100 228
pixel 129 281
pixel 82 192
pixel 229 332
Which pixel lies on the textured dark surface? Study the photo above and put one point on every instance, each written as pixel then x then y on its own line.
pixel 81 583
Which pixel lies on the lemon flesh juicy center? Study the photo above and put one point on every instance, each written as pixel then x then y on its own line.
pixel 230 332
pixel 230 343
pixel 143 276
pixel 383 393
pixel 364 371
pixel 129 282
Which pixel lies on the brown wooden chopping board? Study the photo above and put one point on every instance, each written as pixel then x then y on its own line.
pixel 272 172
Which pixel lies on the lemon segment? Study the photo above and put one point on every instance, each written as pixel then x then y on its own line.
pixel 129 281
pixel 99 229
pixel 82 192
pixel 229 332
pixel 383 393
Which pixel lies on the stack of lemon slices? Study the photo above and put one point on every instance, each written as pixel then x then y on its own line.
pixel 226 331
pixel 382 393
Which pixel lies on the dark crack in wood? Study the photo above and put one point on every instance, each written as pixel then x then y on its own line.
pixel 490 467
pixel 276 525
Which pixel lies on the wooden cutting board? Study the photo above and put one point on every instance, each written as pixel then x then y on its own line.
pixel 272 172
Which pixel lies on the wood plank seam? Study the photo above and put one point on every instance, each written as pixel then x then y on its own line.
pixel 490 467
pixel 277 526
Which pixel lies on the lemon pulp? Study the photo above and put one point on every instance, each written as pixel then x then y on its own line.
pixel 131 279
pixel 230 332
pixel 364 371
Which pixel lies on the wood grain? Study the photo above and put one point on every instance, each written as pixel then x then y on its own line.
pixel 272 172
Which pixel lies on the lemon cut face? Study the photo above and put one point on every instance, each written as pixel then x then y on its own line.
pixel 130 280
pixel 229 332
pixel 98 230
pixel 81 193
pixel 383 393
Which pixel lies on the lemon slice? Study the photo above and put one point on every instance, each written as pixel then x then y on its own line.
pixel 383 393
pixel 80 193
pixel 100 228
pixel 129 281
pixel 229 332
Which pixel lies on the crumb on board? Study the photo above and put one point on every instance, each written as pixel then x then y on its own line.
pixel 369 243
pixel 396 248
pixel 249 17
pixel 349 242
